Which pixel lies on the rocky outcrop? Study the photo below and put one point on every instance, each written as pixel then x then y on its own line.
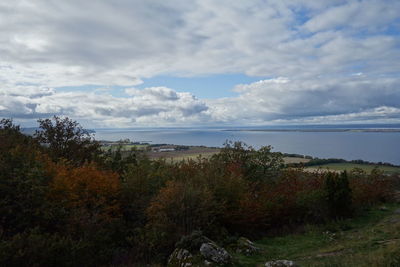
pixel 180 258
pixel 246 247
pixel 198 250
pixel 213 253
pixel 281 263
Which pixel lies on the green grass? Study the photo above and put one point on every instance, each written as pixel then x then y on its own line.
pixel 193 156
pixel 349 166
pixel 370 239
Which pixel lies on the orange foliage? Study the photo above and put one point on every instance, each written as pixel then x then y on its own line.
pixel 289 199
pixel 369 189
pixel 86 187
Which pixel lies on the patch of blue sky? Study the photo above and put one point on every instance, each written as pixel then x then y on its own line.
pixel 393 28
pixel 211 86
pixel 301 15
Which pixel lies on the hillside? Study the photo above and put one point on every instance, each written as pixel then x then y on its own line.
pixel 372 239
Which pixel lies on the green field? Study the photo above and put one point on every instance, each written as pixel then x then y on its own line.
pixel 193 152
pixel 193 156
pixel 372 239
pixel 124 147
pixel 349 166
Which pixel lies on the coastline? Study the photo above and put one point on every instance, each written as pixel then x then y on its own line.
pixel 317 130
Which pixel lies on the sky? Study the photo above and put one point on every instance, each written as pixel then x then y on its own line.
pixel 131 63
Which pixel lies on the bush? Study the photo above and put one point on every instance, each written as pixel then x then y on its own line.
pixel 34 248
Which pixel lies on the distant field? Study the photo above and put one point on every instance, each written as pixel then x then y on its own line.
pixel 204 152
pixel 207 152
pixel 192 153
pixel 289 160
pixel 349 166
pixel 124 147
pixel 195 156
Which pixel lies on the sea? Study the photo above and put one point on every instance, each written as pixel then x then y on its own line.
pixel 374 143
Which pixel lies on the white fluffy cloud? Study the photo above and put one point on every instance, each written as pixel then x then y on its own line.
pixel 320 100
pixel 151 106
pixel 316 45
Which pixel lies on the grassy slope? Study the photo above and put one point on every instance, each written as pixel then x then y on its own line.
pixel 350 166
pixel 372 239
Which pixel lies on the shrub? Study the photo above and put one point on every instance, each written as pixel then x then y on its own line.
pixel 181 207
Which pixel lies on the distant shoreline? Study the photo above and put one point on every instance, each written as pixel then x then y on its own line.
pixel 317 130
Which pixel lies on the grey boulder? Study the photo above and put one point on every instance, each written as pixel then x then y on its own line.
pixel 211 252
pixel 281 263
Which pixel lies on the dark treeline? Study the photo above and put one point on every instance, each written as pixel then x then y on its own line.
pixel 314 161
pixel 64 202
pixel 318 161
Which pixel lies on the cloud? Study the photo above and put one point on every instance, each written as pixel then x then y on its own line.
pixel 359 13
pixel 355 98
pixel 150 106
pixel 318 100
pixel 117 43
pixel 317 46
pixel 156 93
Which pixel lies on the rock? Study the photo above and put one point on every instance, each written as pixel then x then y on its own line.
pixel 245 246
pixel 192 242
pixel 281 263
pixel 212 252
pixel 207 263
pixel 397 211
pixel 180 258
pixel 383 208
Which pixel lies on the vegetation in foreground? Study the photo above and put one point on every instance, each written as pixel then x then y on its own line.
pixel 370 239
pixel 350 166
pixel 65 202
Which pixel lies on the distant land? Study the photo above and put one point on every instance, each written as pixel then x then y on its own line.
pixel 374 128
pixel 369 142
pixel 317 130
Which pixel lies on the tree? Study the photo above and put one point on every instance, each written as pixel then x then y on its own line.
pixel 255 165
pixel 66 139
pixel 22 181
pixel 10 135
pixel 182 207
pixel 338 195
pixel 88 192
pixel 267 164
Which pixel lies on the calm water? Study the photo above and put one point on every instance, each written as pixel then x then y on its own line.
pixel 370 146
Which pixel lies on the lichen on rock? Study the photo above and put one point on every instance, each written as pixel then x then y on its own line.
pixel 281 263
pixel 212 252
pixel 180 258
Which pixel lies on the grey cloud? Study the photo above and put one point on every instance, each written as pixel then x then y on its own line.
pixel 152 106
pixel 360 14
pixel 117 42
pixel 316 44
pixel 283 99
